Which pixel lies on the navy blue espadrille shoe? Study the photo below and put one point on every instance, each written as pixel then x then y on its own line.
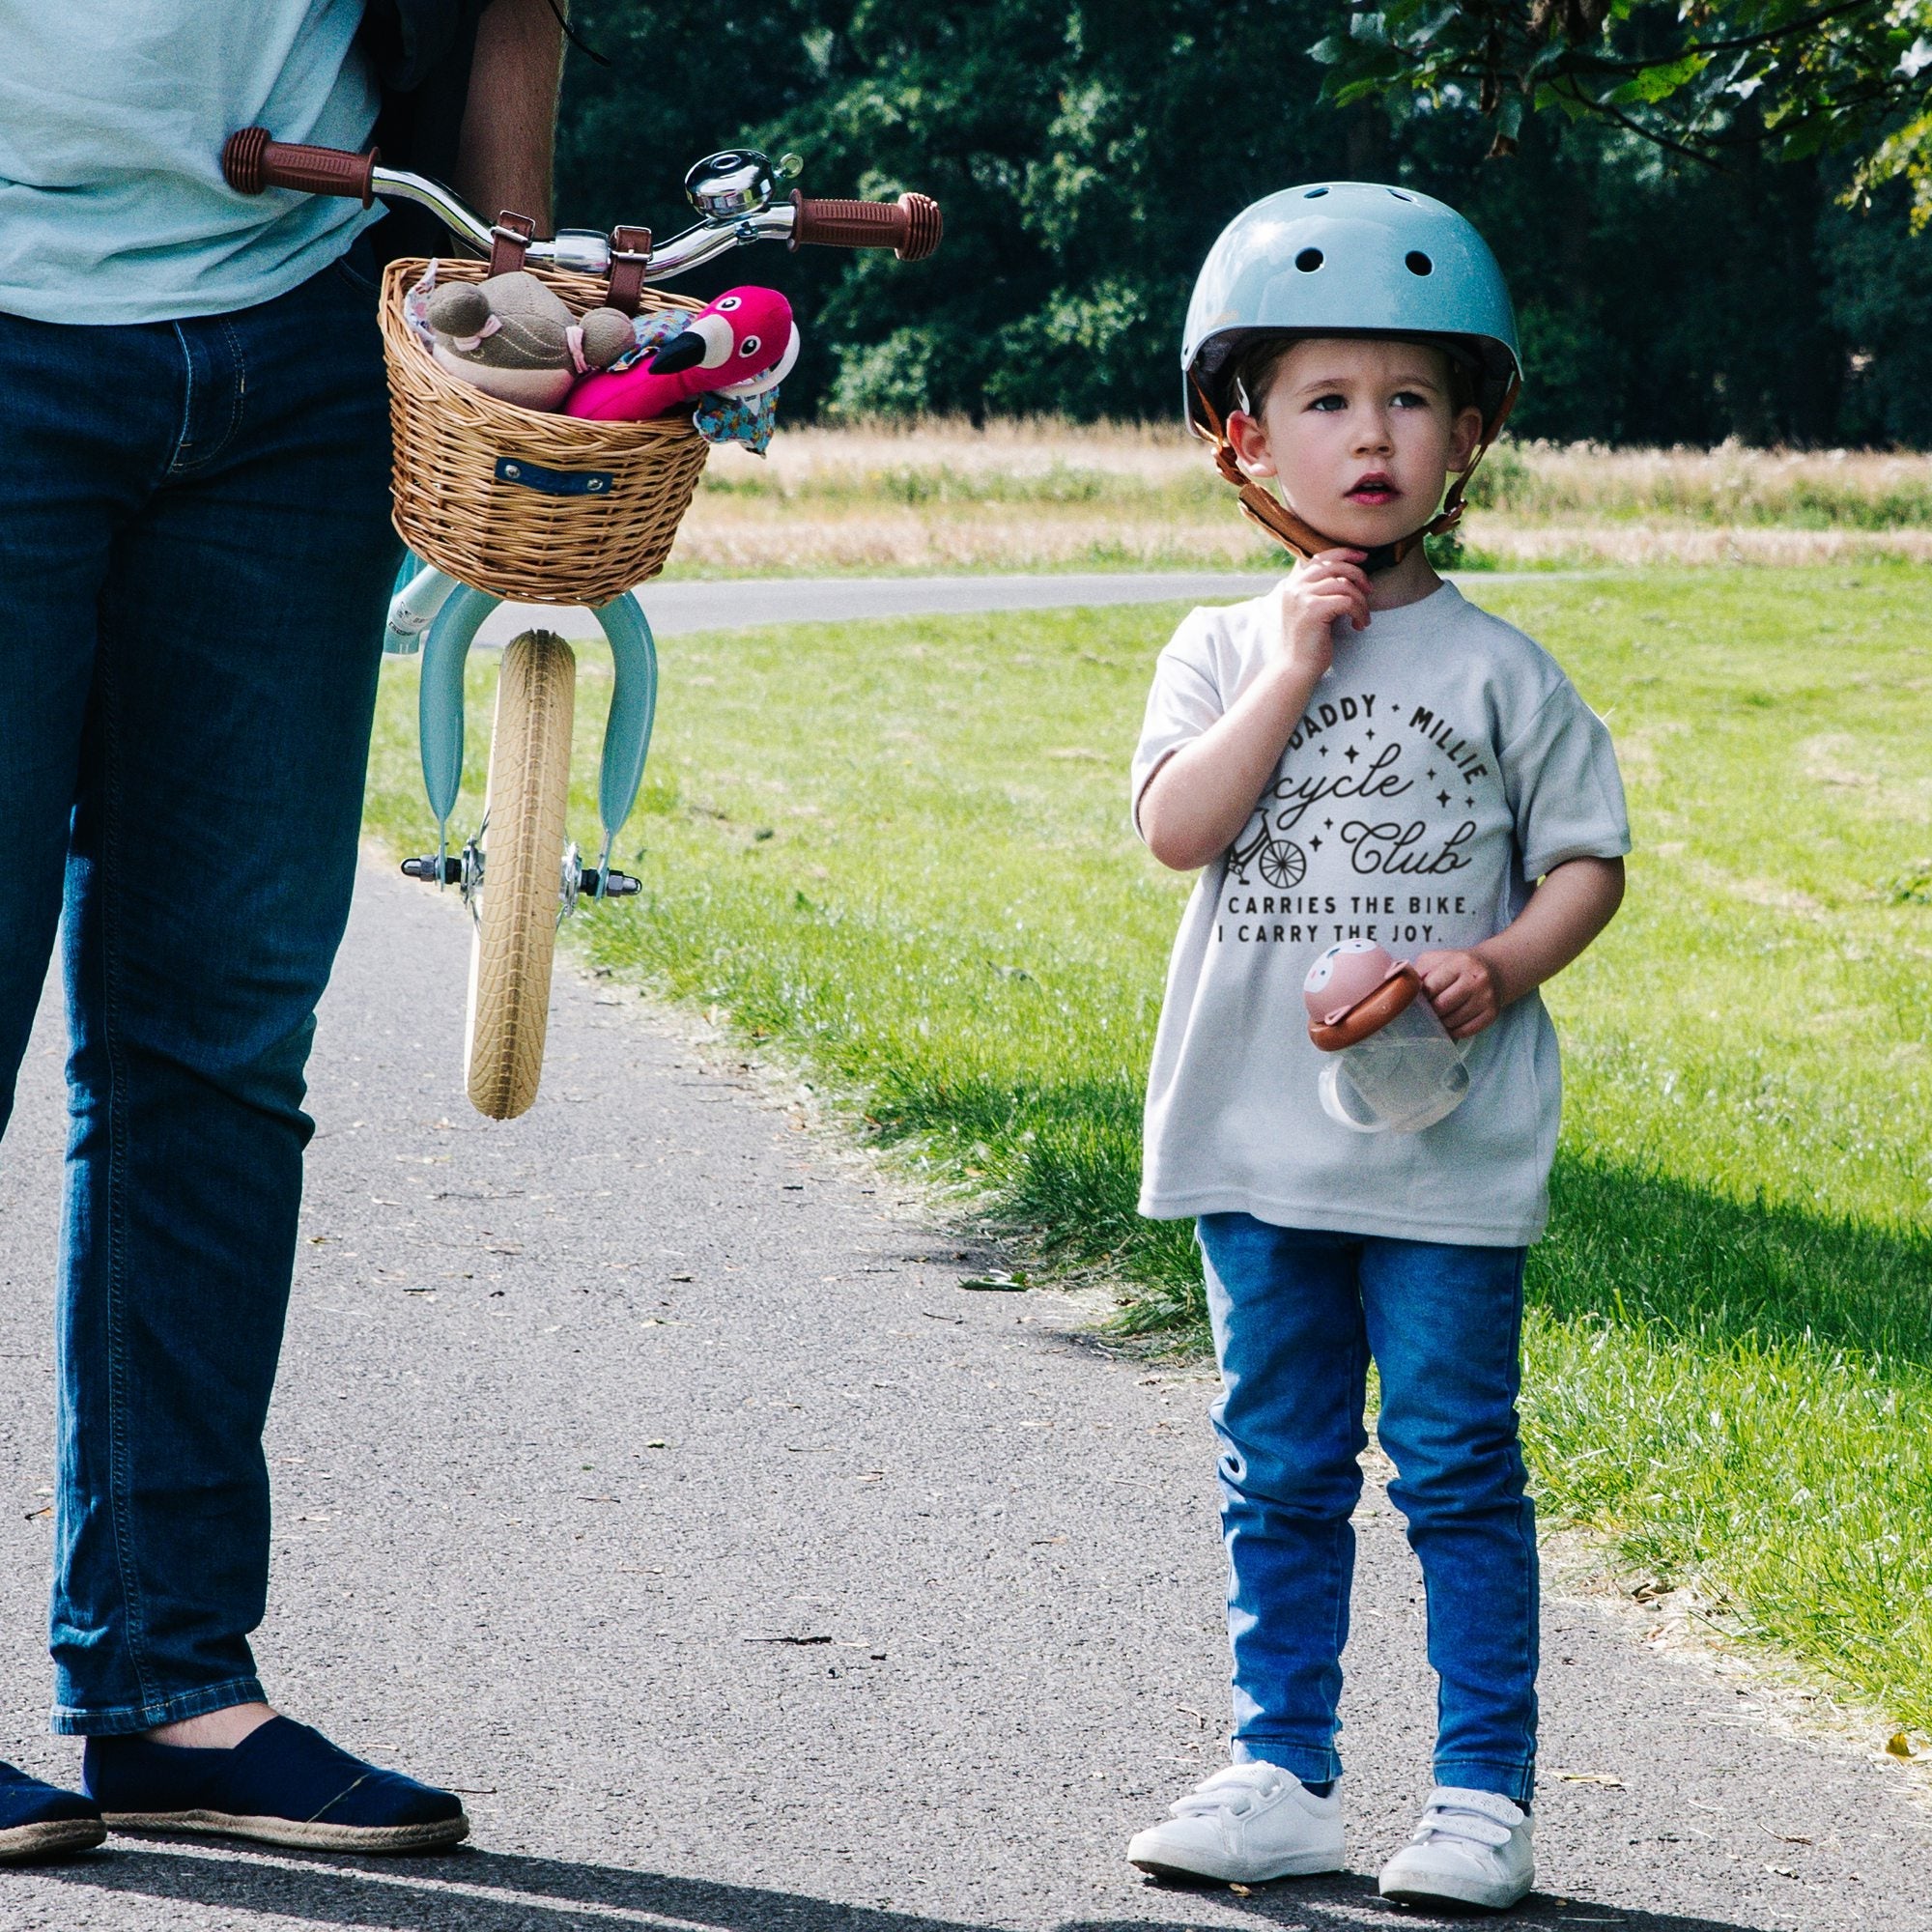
pixel 283 1784
pixel 41 1822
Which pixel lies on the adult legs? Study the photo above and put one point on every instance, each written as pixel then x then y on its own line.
pixel 63 492
pixel 71 472
pixel 213 854
pixel 1445 1325
pixel 1293 1355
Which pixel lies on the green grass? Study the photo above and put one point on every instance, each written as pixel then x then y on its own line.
pixel 898 852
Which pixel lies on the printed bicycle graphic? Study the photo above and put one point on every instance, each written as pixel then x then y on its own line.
pixel 1281 861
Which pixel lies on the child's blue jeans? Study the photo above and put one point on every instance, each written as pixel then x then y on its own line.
pixel 1297 1316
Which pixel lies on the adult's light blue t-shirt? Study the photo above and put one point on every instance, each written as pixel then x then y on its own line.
pixel 112 116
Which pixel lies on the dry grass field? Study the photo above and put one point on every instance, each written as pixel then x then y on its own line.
pixel 1044 495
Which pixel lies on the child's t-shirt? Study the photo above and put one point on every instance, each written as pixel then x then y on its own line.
pixel 1443 765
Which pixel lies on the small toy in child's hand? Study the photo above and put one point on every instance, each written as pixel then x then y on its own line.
pixel 513 339
pixel 1395 1069
pixel 741 345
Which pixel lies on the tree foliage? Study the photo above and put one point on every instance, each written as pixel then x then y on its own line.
pixel 1086 155
pixel 1701 78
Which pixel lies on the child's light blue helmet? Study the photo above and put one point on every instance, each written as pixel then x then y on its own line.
pixel 1349 258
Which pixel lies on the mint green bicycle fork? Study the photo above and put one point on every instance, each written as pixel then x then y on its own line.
pixel 518 872
pixel 431 613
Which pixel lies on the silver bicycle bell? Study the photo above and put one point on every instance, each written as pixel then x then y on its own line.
pixel 737 181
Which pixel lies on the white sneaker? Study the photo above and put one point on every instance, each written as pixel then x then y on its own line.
pixel 1246 1824
pixel 1471 1847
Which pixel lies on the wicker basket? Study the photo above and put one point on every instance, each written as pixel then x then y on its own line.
pixel 527 505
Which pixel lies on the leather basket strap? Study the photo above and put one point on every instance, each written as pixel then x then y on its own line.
pixel 509 242
pixel 630 257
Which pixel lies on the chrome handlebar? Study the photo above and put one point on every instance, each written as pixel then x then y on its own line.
pixel 586 251
pixel 733 193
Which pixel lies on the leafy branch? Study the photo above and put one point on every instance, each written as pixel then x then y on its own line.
pixel 1696 78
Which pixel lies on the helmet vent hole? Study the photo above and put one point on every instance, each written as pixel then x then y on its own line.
pixel 1315 194
pixel 1419 263
pixel 1400 196
pixel 1308 260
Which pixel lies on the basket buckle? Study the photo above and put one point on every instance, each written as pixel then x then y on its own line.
pixel 630 257
pixel 509 242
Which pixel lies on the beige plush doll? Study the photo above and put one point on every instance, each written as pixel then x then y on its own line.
pixel 512 338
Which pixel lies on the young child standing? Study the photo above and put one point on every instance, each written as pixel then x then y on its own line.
pixel 1364 754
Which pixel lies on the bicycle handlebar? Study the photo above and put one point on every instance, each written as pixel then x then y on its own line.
pixel 251 162
pixel 912 226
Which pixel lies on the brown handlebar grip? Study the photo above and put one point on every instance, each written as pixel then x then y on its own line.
pixel 251 162
pixel 910 226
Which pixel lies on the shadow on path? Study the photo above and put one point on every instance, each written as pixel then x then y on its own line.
pixel 494 1891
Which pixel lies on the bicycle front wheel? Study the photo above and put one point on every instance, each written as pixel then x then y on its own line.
pixel 515 937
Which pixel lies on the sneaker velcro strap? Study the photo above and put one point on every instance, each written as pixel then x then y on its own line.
pixel 1480 1817
pixel 1438 1823
pixel 1235 1787
pixel 1487 1803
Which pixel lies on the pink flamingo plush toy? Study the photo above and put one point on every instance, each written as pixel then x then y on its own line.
pixel 742 343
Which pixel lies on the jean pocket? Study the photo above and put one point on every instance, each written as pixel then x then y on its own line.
pixel 358 268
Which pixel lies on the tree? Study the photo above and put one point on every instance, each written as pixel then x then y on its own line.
pixel 1087 155
pixel 1704 79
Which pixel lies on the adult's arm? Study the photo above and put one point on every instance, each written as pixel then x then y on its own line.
pixel 509 119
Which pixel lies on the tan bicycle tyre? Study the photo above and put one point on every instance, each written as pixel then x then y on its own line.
pixel 515 936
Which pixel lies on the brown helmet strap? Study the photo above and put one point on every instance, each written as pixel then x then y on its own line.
pixel 1302 539
pixel 1452 505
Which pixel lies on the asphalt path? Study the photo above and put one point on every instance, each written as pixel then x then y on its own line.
pixel 643 1470
pixel 722 603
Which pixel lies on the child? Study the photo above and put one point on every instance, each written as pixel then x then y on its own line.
pixel 1362 753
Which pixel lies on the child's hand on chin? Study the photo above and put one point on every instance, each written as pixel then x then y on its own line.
pixel 1462 988
pixel 1330 585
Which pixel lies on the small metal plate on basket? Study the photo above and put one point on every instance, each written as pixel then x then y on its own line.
pixel 554 482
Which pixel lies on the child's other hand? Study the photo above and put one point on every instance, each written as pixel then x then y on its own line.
pixel 1463 989
pixel 1329 585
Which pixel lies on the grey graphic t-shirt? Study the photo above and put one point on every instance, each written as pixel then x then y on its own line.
pixel 1444 764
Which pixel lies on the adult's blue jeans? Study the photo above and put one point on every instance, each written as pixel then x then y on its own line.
pixel 194 551
pixel 1297 1316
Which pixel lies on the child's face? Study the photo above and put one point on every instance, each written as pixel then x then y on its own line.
pixel 1362 435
